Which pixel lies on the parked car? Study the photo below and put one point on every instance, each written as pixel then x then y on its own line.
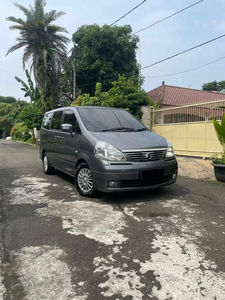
pixel 105 149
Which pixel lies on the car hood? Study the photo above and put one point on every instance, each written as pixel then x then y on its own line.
pixel 132 140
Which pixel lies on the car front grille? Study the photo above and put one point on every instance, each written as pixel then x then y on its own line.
pixel 145 155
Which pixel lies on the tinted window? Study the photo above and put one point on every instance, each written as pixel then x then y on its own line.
pixel 69 118
pixel 97 119
pixel 47 120
pixel 56 120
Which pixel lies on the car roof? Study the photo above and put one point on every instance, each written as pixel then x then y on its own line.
pixel 82 107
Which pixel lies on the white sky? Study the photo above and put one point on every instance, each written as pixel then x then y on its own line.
pixel 194 26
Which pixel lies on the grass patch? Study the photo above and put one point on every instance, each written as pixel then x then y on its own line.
pixel 29 142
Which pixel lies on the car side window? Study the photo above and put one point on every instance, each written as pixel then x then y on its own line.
pixel 69 118
pixel 56 120
pixel 47 120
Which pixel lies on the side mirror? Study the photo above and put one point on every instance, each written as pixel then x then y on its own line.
pixel 67 128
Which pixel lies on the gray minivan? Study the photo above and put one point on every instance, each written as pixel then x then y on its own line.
pixel 105 149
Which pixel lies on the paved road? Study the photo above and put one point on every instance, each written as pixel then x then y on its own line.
pixel 56 245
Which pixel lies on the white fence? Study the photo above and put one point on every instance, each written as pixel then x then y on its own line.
pixel 201 112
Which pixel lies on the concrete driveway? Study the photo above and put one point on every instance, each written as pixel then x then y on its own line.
pixel 160 244
pixel 196 168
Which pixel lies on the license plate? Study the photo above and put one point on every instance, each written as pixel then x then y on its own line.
pixel 152 175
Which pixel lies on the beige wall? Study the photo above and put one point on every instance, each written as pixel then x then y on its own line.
pixel 193 139
pixel 145 119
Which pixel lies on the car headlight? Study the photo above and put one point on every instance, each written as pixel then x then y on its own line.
pixel 106 151
pixel 169 150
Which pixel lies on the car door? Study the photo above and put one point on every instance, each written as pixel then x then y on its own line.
pixel 70 142
pixel 56 139
pixel 45 135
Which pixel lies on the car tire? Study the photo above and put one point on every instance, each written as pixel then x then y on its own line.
pixel 48 169
pixel 83 181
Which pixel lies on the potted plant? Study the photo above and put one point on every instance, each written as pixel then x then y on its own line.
pixel 219 162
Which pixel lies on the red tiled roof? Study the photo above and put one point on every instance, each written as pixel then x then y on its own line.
pixel 177 96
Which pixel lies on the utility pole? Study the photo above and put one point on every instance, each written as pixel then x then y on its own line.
pixel 74 71
pixel 74 79
pixel 139 65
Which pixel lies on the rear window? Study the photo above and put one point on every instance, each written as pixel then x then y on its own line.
pixel 97 119
pixel 47 120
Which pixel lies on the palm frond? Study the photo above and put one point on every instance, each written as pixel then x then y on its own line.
pixel 51 29
pixel 17 27
pixel 39 10
pixel 53 15
pixel 15 47
pixel 27 55
pixel 16 20
pixel 23 9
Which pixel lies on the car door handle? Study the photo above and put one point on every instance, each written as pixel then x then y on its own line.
pixel 58 137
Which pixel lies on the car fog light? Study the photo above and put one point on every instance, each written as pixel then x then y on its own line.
pixel 114 184
pixel 174 176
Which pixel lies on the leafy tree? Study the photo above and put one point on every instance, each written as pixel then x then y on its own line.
pixel 5 127
pixel 9 115
pixel 125 93
pixel 8 99
pixel 44 46
pixel 20 131
pixel 214 86
pixel 31 116
pixel 101 54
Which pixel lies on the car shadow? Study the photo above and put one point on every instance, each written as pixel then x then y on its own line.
pixel 162 193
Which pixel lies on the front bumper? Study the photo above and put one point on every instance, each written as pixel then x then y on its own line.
pixel 135 176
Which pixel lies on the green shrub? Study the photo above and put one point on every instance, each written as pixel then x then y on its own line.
pixel 30 141
pixel 26 136
pixel 20 131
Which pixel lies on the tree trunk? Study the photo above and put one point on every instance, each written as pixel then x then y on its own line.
pixel 33 136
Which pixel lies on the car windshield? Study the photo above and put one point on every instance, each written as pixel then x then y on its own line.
pixel 109 119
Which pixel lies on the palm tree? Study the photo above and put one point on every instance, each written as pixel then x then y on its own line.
pixel 44 46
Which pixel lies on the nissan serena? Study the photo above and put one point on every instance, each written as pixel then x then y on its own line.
pixel 105 149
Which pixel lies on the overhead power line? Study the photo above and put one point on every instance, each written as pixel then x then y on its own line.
pixel 170 16
pixel 172 74
pixel 155 22
pixel 189 70
pixel 11 73
pixel 118 21
pixel 128 13
pixel 94 83
pixel 200 45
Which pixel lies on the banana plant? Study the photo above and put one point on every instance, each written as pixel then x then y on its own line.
pixel 30 91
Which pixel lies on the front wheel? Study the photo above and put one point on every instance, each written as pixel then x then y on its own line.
pixel 48 169
pixel 83 181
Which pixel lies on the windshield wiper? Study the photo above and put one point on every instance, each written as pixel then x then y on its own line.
pixel 142 129
pixel 118 129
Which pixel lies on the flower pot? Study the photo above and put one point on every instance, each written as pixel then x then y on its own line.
pixel 219 171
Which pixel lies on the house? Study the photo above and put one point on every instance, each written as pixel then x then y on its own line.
pixel 179 96
pixel 187 100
